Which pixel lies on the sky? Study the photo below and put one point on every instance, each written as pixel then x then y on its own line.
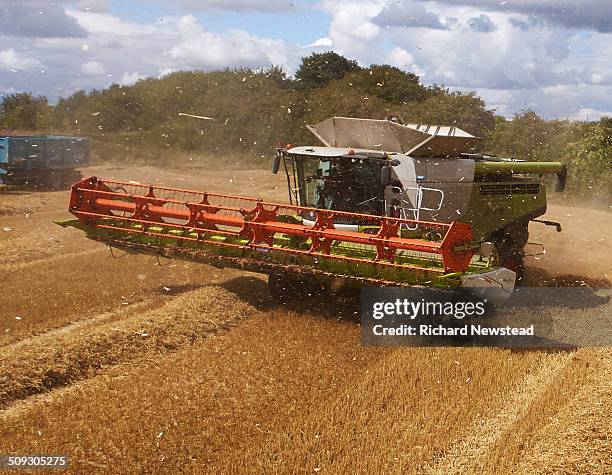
pixel 551 56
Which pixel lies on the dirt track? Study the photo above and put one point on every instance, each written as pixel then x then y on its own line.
pixel 143 366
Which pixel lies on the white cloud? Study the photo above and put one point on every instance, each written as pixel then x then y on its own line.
pixel 93 68
pixel 562 101
pixel 590 114
pixel 130 78
pixel 99 6
pixel 482 23
pixel 105 23
pixel 198 48
pixel 7 91
pixel 400 58
pixel 514 59
pixel 600 78
pixel 119 50
pixel 9 59
pixel 583 14
pixel 37 19
pixel 509 58
pixel 321 42
pixel 113 46
pixel 165 71
pixel 408 15
pixel 273 6
pixel 352 30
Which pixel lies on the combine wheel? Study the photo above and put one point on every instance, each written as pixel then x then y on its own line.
pixel 510 242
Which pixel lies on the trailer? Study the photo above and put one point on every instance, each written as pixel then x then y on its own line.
pixel 44 160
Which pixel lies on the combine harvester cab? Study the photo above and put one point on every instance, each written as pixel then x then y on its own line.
pixel 357 215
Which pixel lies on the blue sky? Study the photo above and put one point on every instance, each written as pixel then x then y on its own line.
pixel 302 24
pixel 553 56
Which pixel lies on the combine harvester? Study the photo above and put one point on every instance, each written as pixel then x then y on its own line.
pixel 381 203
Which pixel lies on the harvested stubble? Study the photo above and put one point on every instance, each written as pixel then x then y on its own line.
pixel 60 290
pixel 189 409
pixel 283 393
pixel 577 438
pixel 60 357
pixel 412 407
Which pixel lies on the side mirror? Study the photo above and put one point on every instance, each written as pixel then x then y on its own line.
pixel 385 175
pixel 560 179
pixel 276 161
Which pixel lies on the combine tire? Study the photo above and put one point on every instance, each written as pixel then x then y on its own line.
pixel 510 243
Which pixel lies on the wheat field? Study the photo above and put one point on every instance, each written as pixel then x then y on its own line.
pixel 131 365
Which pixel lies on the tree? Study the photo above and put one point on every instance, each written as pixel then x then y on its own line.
pixel 318 69
pixel 70 109
pixel 529 136
pixel 464 110
pixel 521 137
pixel 123 110
pixel 338 99
pixel 589 160
pixel 23 111
pixel 277 74
pixel 389 83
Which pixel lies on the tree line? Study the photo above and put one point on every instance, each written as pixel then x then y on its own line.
pixel 255 109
